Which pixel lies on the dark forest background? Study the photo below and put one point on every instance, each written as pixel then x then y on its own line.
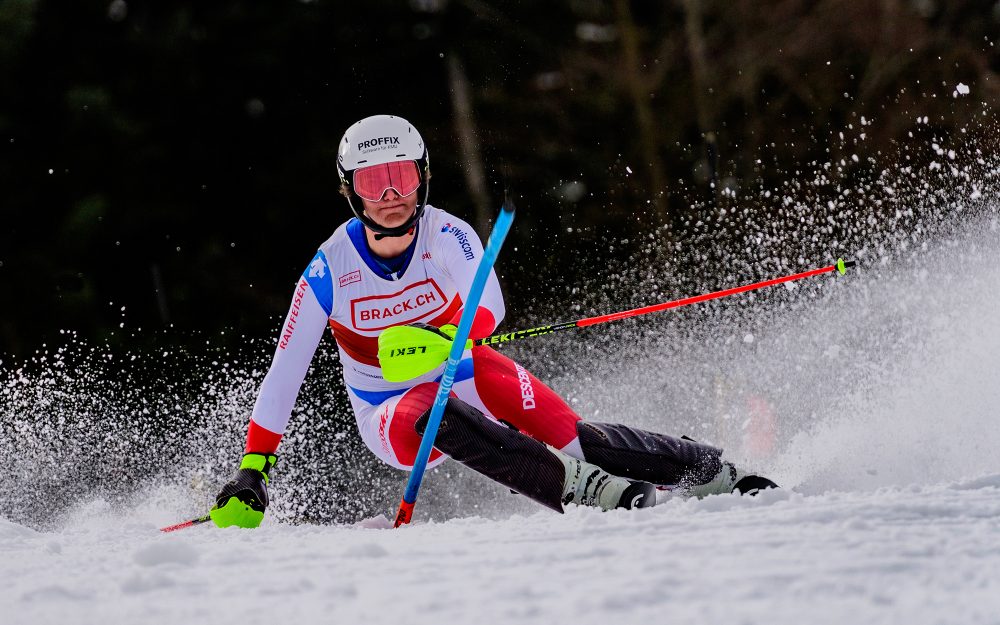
pixel 177 159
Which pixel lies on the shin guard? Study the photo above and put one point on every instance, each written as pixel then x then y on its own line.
pixel 642 455
pixel 502 454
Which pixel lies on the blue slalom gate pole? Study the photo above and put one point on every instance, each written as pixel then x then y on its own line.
pixel 493 245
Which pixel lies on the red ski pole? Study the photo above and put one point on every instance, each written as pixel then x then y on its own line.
pixel 186 524
pixel 840 267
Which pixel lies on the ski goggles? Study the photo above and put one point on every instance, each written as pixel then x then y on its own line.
pixel 372 182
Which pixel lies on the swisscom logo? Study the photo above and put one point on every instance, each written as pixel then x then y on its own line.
pixel 463 240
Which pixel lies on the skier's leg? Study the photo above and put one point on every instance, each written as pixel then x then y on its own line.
pixel 393 431
pixel 649 456
pixel 529 467
pixel 642 455
pixel 388 428
pixel 508 392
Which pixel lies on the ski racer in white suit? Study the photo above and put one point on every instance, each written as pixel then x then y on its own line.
pixel 402 261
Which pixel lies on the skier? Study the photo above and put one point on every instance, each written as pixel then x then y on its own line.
pixel 403 261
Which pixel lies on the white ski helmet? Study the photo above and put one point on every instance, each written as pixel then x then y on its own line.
pixel 378 140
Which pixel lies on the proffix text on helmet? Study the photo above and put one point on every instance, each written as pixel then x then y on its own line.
pixel 378 153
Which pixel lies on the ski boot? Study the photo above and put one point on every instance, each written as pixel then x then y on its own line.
pixel 589 485
pixel 729 479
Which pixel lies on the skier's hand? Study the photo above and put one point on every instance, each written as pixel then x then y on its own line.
pixel 243 499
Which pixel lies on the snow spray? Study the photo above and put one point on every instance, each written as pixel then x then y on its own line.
pixel 887 376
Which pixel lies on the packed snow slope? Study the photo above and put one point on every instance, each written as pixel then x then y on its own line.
pixel 917 554
pixel 871 398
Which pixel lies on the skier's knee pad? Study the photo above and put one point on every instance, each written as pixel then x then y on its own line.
pixel 643 455
pixel 502 454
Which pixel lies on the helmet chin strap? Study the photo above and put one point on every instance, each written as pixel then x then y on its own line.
pixel 379 236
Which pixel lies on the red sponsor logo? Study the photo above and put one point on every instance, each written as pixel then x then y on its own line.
pixel 293 314
pixel 350 278
pixel 383 418
pixel 415 302
pixel 425 256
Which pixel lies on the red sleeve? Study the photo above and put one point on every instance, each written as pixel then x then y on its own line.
pixel 261 440
pixel 482 326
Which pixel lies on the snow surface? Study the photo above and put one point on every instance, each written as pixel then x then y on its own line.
pixel 921 554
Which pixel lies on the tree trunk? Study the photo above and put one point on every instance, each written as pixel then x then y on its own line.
pixel 694 31
pixel 468 144
pixel 638 87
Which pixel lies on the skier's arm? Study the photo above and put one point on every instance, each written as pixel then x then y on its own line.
pixel 297 342
pixel 461 256
pixel 243 499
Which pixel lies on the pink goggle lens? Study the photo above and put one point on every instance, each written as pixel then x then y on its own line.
pixel 372 182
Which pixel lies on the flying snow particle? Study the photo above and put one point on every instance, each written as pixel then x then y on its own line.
pixel 118 10
pixel 254 108
pixel 962 89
